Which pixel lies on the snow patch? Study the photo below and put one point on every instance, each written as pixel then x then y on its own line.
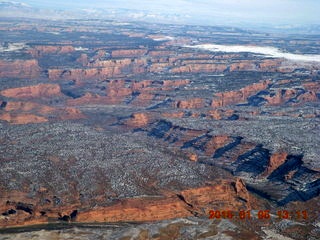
pixel 165 38
pixel 12 47
pixel 81 49
pixel 268 51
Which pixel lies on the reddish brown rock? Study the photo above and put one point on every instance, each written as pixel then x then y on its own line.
pixel 19 69
pixel 76 74
pixel 275 161
pixel 101 53
pixel 28 106
pixel 270 65
pixel 129 53
pixel 190 103
pixel 138 120
pixel 218 114
pixel 35 91
pixel 83 59
pixel 206 197
pixel 224 194
pixel 158 67
pixel 196 68
pixel 22 118
pixel 29 112
pixel 175 83
pixel 38 51
pixel 312 86
pixel 215 143
pixel 144 99
pixel 161 53
pixel 282 96
pixel 141 85
pixel 242 191
pixel 290 174
pixel 117 91
pixel 88 98
pixel 240 96
pixel 100 70
pixel 309 96
pixel 192 156
pixel 186 136
pixel 173 115
pixel 69 113
pixel 244 65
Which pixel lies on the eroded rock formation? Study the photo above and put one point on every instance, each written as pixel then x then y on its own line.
pixel 189 202
pixel 19 69
pixel 36 91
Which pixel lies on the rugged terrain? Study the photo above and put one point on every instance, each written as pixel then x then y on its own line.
pixel 126 123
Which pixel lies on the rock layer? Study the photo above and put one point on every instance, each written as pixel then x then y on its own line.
pixel 36 91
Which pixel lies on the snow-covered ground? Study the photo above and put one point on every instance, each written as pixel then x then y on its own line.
pixel 12 47
pixel 81 49
pixel 268 51
pixel 165 38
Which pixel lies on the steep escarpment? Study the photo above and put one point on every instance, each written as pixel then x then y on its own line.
pixel 38 51
pixel 189 202
pixel 19 69
pixel 261 93
pixel 255 163
pixel 36 91
pixel 100 69
pixel 197 201
pixel 240 96
pixel 16 112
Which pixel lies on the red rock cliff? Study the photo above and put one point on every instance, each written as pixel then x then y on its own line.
pixel 233 97
pixel 19 69
pixel 35 91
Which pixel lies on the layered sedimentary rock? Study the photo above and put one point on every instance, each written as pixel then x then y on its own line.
pixel 30 112
pixel 197 68
pixel 38 51
pixel 175 83
pixel 139 120
pixel 129 53
pixel 189 202
pixel 190 103
pixel 219 114
pixel 35 91
pixel 88 98
pixel 283 96
pixel 22 118
pixel 117 91
pixel 100 70
pixel 196 201
pixel 275 161
pixel 240 96
pixel 19 69
pixel 28 106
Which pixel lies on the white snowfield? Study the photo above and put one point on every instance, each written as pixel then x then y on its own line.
pixel 12 47
pixel 268 51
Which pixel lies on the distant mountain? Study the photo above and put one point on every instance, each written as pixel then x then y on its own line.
pixel 20 9
pixel 12 5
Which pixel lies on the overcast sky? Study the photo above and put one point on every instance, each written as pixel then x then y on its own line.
pixel 260 11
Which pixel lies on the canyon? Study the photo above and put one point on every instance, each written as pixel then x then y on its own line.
pixel 141 129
